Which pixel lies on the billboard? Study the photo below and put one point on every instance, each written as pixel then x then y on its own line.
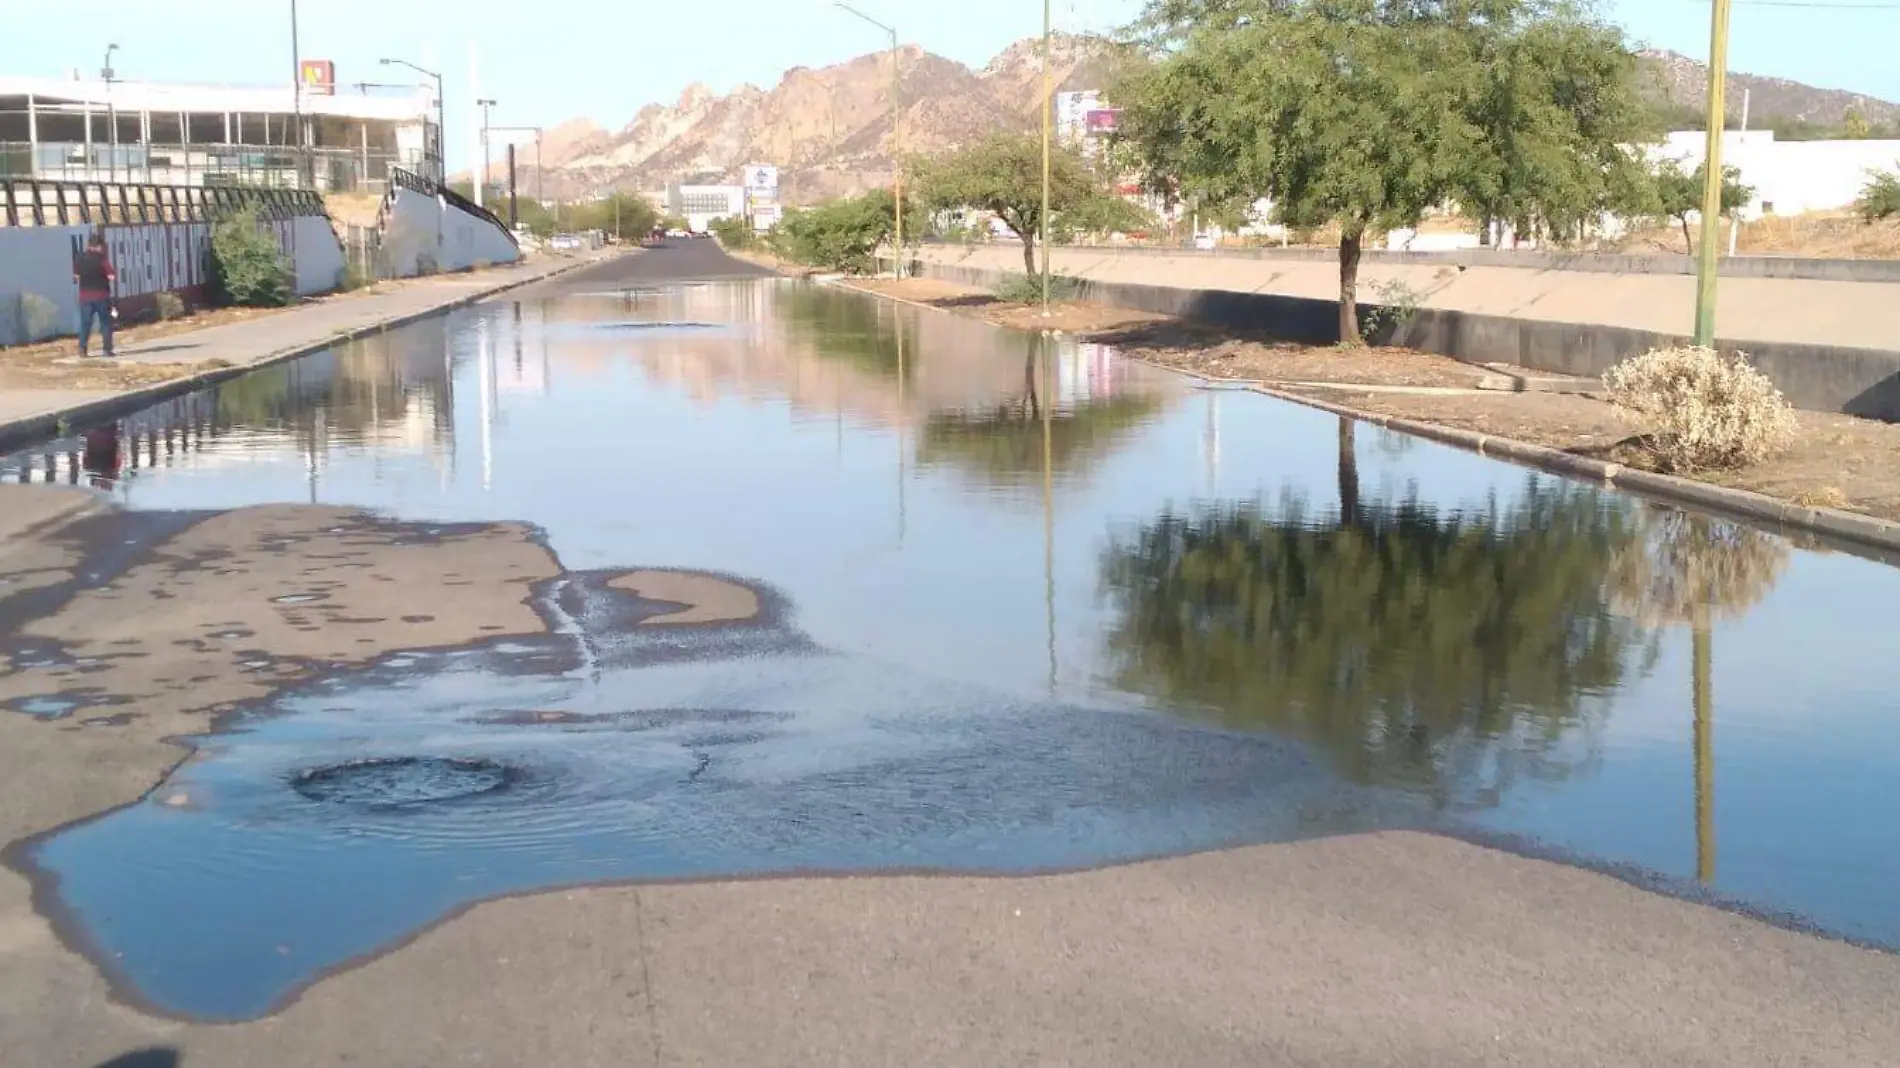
pixel 761 177
pixel 318 76
pixel 1103 120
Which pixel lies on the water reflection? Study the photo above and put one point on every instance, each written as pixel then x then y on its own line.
pixel 949 503
pixel 1450 652
pixel 1691 569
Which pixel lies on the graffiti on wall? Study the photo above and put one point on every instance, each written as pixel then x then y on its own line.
pixel 154 258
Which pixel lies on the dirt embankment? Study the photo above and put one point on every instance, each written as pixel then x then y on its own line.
pixel 1838 461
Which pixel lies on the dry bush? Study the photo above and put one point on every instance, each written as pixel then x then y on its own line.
pixel 1710 410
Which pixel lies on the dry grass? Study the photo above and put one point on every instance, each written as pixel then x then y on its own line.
pixel 1820 235
pixel 1710 411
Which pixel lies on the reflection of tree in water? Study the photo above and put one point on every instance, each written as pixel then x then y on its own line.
pixel 1448 653
pixel 844 325
pixel 1692 569
pixel 1003 443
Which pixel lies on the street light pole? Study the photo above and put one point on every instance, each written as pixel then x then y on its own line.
pixel 112 119
pixel 1048 108
pixel 441 119
pixel 897 160
pixel 1712 177
pixel 296 96
pixel 485 103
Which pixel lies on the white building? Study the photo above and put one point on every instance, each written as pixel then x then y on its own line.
pixel 1788 177
pixel 699 205
pixel 186 135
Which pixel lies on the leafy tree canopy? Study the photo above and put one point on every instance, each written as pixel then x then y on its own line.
pixel 1367 113
pixel 1002 174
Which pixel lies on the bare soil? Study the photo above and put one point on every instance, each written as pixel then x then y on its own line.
pixel 1838 462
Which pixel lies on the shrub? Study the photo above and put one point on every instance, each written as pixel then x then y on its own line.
pixel 1711 411
pixel 1027 288
pixel 39 317
pixel 247 266
pixel 733 231
pixel 170 305
pixel 1880 197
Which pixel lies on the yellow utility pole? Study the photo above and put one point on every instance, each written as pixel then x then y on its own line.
pixel 1712 177
pixel 1048 108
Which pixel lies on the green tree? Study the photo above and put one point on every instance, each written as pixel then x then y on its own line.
pixel 1679 195
pixel 247 266
pixel 733 231
pixel 1002 174
pixel 1448 653
pixel 1880 197
pixel 1854 125
pixel 623 215
pixel 844 234
pixel 1366 113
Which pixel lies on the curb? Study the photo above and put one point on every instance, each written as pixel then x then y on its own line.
pixel 42 426
pixel 1862 530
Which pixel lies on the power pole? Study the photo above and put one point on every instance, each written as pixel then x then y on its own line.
pixel 1048 108
pixel 514 214
pixel 1712 178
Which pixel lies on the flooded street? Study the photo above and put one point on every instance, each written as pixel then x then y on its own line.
pixel 620 580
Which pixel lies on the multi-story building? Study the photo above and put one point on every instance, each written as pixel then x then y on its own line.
pixel 190 135
pixel 699 205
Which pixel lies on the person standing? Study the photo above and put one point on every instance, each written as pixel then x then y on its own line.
pixel 93 271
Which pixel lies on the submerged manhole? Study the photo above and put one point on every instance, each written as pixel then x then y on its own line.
pixel 398 781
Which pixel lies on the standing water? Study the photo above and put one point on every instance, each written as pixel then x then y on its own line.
pixel 836 586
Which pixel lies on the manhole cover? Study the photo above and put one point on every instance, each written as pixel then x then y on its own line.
pixel 400 781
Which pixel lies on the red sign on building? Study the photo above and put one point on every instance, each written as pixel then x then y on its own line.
pixel 1103 120
pixel 319 76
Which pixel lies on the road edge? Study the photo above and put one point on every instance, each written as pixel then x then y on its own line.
pixel 28 429
pixel 1864 530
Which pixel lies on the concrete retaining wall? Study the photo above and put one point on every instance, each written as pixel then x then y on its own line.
pixel 423 234
pixel 38 299
pixel 1787 267
pixel 1819 377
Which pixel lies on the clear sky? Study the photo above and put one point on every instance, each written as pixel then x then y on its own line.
pixel 551 60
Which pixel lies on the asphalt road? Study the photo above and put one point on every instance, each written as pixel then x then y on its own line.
pixel 1392 948
pixel 678 260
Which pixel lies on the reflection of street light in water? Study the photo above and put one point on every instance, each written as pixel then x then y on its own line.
pixel 485 383
pixel 1210 441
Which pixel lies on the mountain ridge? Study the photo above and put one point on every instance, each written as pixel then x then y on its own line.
pixel 828 129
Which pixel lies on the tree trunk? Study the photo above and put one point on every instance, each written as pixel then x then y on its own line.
pixel 1350 246
pixel 1029 253
pixel 1688 243
pixel 1348 473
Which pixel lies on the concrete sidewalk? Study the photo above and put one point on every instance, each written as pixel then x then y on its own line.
pixel 229 350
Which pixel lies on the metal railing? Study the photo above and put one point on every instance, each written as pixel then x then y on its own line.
pixel 35 202
pixel 334 170
pixel 416 182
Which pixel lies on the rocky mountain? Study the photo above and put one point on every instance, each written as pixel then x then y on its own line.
pixel 1677 80
pixel 828 129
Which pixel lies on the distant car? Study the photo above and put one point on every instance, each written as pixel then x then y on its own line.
pixel 1205 242
pixel 677 233
pixel 566 243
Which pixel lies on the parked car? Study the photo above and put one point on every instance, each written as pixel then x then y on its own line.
pixel 566 243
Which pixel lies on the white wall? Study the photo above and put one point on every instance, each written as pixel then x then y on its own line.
pixel 1793 176
pixel 424 234
pixel 38 298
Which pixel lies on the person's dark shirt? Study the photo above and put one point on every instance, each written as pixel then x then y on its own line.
pixel 95 274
